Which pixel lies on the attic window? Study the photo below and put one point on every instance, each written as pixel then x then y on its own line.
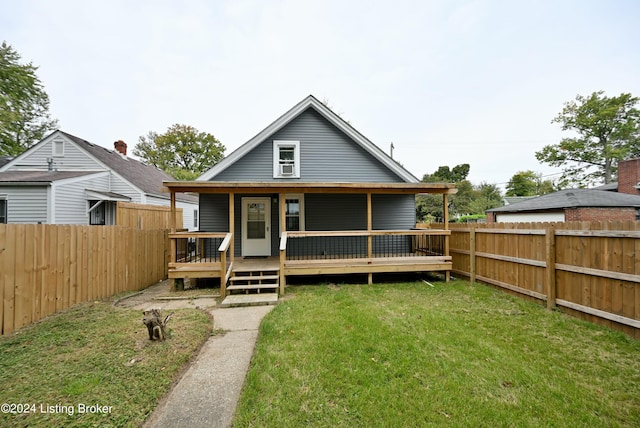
pixel 286 159
pixel 58 148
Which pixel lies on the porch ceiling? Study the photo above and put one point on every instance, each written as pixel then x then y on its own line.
pixel 301 187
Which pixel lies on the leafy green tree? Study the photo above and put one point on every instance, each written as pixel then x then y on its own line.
pixel 470 199
pixel 24 104
pixel 486 196
pixel 607 130
pixel 528 183
pixel 447 175
pixel 182 151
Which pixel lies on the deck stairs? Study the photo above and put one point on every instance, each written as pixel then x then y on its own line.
pixel 251 286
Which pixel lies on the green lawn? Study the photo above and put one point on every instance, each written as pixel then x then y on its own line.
pixel 56 371
pixel 453 354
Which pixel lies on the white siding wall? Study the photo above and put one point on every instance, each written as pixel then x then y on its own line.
pixel 26 204
pixel 74 159
pixel 70 201
pixel 123 187
pixel 529 217
pixel 187 210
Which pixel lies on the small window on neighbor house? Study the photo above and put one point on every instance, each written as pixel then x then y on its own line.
pixel 294 213
pixel 286 159
pixel 195 218
pixel 58 148
pixel 97 213
pixel 3 210
pixel 637 214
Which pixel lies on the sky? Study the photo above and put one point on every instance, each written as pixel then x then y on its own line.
pixel 447 82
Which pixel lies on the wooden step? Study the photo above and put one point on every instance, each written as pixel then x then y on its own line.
pixel 255 278
pixel 248 270
pixel 252 287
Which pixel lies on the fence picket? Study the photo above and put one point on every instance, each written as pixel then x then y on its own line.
pixel 47 268
pixel 590 285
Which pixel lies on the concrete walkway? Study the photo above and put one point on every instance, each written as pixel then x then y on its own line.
pixel 208 392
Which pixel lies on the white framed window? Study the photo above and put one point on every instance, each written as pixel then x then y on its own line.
pixel 57 148
pixel 294 212
pixel 3 209
pixel 286 159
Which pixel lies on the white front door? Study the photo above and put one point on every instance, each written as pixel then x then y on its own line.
pixel 256 227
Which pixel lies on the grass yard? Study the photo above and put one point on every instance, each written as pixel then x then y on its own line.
pixel 56 371
pixel 449 355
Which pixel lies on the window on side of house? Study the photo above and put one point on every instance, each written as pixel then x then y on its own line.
pixel 57 148
pixel 286 159
pixel 102 213
pixel 195 219
pixel 3 209
pixel 97 213
pixel 294 212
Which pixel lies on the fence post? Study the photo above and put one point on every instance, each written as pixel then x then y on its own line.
pixel 472 254
pixel 551 267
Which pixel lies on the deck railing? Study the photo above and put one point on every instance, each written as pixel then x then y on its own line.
pixel 360 244
pixel 201 250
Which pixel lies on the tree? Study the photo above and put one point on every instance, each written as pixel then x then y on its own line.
pixel 486 196
pixel 528 183
pixel 608 130
pixel 24 104
pixel 470 199
pixel 446 175
pixel 182 152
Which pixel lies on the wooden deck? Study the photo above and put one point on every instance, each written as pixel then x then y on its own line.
pixel 333 256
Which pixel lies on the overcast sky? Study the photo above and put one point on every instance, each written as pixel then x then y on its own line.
pixel 448 82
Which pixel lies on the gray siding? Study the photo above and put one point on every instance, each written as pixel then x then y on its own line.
pixel 26 204
pixel 214 213
pixel 71 201
pixel 393 212
pixel 322 212
pixel 335 212
pixel 326 155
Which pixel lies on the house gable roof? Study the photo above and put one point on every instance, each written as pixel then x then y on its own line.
pixel 331 117
pixel 147 178
pixel 573 198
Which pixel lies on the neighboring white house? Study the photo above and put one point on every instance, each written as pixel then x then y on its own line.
pixel 64 179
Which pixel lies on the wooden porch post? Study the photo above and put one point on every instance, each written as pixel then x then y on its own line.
pixel 178 283
pixel 445 215
pixel 283 228
pixel 232 222
pixel 369 237
pixel 173 212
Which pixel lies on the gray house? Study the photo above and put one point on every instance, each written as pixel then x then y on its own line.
pixel 64 179
pixel 313 196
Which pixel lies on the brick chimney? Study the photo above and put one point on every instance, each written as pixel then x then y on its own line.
pixel 629 176
pixel 121 147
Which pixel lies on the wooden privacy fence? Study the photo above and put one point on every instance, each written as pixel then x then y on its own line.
pixel 141 216
pixel 588 269
pixel 45 269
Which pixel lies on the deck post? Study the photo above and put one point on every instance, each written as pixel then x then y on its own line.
pixel 223 274
pixel 232 201
pixel 172 241
pixel 283 230
pixel 369 237
pixel 445 219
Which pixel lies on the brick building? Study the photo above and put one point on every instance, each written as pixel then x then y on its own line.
pixel 615 201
